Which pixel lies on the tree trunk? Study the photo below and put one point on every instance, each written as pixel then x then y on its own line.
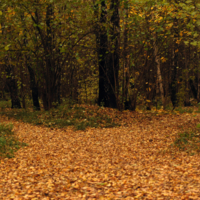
pixel 126 77
pixel 159 76
pixel 49 62
pixel 12 85
pixel 187 91
pixel 102 53
pixel 109 61
pixel 23 95
pixel 198 84
pixel 50 66
pixel 113 62
pixel 34 88
pixel 173 85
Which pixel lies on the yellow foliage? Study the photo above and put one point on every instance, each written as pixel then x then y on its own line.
pixel 137 73
pixel 163 59
pixel 178 41
pixel 21 33
pixel 141 15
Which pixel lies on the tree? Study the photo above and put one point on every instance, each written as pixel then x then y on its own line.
pixel 108 55
pixel 12 85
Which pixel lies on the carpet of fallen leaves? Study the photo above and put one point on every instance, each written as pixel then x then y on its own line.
pixel 127 162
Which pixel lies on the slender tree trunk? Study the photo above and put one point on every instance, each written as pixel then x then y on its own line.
pixel 10 75
pixel 12 85
pixel 34 88
pixel 125 64
pixel 108 61
pixel 173 85
pixel 33 84
pixel 113 63
pixel 22 85
pixel 187 91
pixel 198 92
pixel 198 84
pixel 50 67
pixel 49 63
pixel 58 85
pixel 159 76
pixel 102 53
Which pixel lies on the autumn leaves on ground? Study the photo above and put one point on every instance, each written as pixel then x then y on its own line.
pixel 133 161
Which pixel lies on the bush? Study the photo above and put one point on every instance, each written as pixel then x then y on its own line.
pixel 188 141
pixel 63 116
pixel 8 142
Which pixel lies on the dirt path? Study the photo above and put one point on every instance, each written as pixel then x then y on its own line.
pixel 115 163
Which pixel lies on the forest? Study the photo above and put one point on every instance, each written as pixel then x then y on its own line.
pixel 120 54
pixel 99 99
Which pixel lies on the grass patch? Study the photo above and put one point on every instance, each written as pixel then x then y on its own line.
pixel 198 108
pixel 64 115
pixel 8 142
pixel 4 104
pixel 182 110
pixel 188 141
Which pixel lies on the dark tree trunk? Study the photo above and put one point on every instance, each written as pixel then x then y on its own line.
pixel 131 103
pixel 34 88
pixel 113 65
pixel 23 95
pixel 50 67
pixel 173 85
pixel 12 85
pixel 198 83
pixel 187 78
pixel 45 100
pixel 108 62
pixel 102 54
pixel 193 89
pixel 126 72
pixel 58 86
pixel 49 61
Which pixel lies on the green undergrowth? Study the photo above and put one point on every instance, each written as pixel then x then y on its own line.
pixel 4 104
pixel 182 110
pixel 188 141
pixel 63 116
pixel 8 141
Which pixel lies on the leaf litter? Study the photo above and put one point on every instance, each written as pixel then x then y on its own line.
pixel 133 161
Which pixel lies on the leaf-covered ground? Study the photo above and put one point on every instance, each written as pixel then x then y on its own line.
pixel 134 161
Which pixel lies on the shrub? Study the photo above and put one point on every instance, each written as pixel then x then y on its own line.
pixel 8 142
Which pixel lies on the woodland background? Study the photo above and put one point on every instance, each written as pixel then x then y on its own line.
pixel 117 53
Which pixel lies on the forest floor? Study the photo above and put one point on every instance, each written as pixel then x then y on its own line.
pixel 133 161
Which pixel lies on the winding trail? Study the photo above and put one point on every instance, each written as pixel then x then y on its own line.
pixel 128 162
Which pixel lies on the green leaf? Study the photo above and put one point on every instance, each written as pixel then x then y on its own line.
pixel 194 43
pixel 186 42
pixel 198 125
pixel 193 13
pixel 7 47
